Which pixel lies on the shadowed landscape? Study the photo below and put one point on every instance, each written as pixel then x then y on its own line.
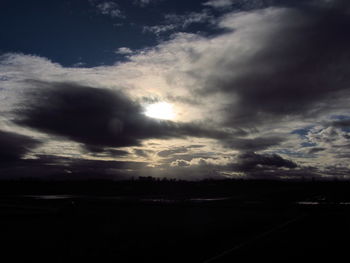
pixel 168 221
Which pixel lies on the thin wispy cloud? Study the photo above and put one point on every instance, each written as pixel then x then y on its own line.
pixel 108 8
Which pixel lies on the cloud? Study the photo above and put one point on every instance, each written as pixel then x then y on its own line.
pixel 188 19
pixel 105 152
pixel 97 117
pixel 242 162
pixel 341 123
pixel 231 5
pixel 211 162
pixel 330 4
pixel 180 163
pixel 250 161
pixel 166 153
pixel 264 74
pixel 249 165
pixel 219 3
pixel 108 8
pixel 174 22
pixel 63 168
pixel 293 64
pixel 316 79
pixel 159 29
pixel 144 3
pixel 142 153
pixel 253 144
pixel 328 144
pixel 124 51
pixel 313 150
pixel 328 136
pixel 14 146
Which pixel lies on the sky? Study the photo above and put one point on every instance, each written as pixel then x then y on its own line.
pixel 242 89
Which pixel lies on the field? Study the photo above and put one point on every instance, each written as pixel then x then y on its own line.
pixel 174 221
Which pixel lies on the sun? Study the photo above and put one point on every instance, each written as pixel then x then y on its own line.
pixel 160 110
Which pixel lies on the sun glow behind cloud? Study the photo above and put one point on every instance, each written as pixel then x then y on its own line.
pixel 160 110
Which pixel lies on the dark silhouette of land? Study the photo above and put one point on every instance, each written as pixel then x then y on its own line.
pixel 151 220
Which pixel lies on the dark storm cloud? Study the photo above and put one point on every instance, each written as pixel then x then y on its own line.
pixel 250 161
pixel 301 67
pixel 142 152
pixel 114 152
pixel 166 153
pixel 13 146
pixel 345 155
pixel 256 144
pixel 268 166
pixel 252 165
pixel 279 174
pixel 65 168
pixel 101 166
pixel 179 151
pixel 229 5
pixel 314 150
pixel 195 146
pixel 81 164
pixel 341 124
pixel 105 152
pixel 98 118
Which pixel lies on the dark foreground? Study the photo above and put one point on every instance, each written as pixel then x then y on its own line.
pixel 174 222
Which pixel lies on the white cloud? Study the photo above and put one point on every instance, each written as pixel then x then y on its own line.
pixel 110 8
pixel 330 138
pixel 219 3
pixel 203 162
pixel 159 29
pixel 174 22
pixel 180 163
pixel 188 19
pixel 124 51
pixel 143 3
